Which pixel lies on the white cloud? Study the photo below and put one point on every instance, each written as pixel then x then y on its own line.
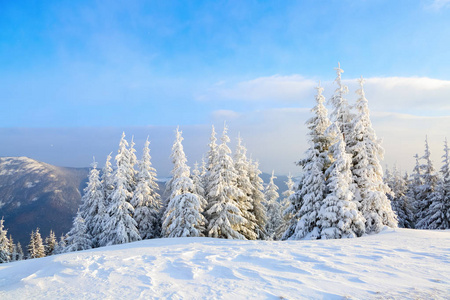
pixel 413 95
pixel 403 111
pixel 439 4
pixel 225 114
pixel 272 88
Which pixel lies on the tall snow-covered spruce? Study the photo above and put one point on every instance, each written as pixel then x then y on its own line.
pixel 183 216
pixel 245 201
pixel 92 205
pixel 146 200
pixel 341 109
pixel 339 216
pixel 273 208
pixel 211 157
pixel 78 238
pixel 285 203
pixel 438 215
pixel 306 202
pixel 50 244
pixel 107 178
pixel 366 152
pixel 427 191
pixel 224 216
pixel 36 247
pixel 257 196
pixel 11 249
pixel 399 200
pixel 119 226
pixel 414 187
pixel 197 180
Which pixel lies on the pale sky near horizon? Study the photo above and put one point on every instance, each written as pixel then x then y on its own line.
pixel 75 74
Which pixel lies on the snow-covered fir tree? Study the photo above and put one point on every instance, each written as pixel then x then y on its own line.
pixel 78 238
pixel 107 181
pixel 307 201
pixel 438 216
pixel 36 247
pixel 198 181
pixel 427 191
pixel 50 244
pixel 211 156
pixel 293 209
pixel 245 202
pixel 414 187
pixel 408 205
pixel 399 200
pixel 12 249
pixel 5 254
pixel 30 248
pixel 259 211
pixel 92 208
pixel 203 178
pixel 223 214
pixel 38 244
pixel 366 152
pixel 107 178
pixel 131 165
pixel 339 216
pixel 119 226
pixel 146 200
pixel 61 245
pixel 341 109
pixel 18 252
pixel 288 192
pixel 183 216
pixel 284 206
pixel 273 208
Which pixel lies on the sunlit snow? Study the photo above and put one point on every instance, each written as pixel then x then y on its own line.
pixel 396 264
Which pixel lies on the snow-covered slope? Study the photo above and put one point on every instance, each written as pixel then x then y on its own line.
pixel 396 264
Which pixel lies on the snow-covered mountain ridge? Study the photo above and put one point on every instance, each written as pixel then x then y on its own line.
pixel 36 194
pixel 396 264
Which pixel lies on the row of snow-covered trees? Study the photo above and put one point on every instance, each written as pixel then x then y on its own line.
pixel 10 251
pixel 224 198
pixel 341 193
pixel 422 200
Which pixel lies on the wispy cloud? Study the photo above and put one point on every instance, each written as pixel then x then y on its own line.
pixel 271 88
pixel 225 114
pixel 439 4
pixel 413 95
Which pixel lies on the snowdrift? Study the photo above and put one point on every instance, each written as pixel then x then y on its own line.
pixel 396 264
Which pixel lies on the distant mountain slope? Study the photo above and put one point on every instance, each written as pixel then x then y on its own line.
pixel 35 194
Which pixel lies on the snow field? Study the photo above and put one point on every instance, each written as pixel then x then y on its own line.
pixel 396 264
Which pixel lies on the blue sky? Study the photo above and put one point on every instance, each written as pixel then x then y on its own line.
pixel 122 64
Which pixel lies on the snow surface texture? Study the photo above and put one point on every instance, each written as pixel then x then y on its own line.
pixel 396 264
